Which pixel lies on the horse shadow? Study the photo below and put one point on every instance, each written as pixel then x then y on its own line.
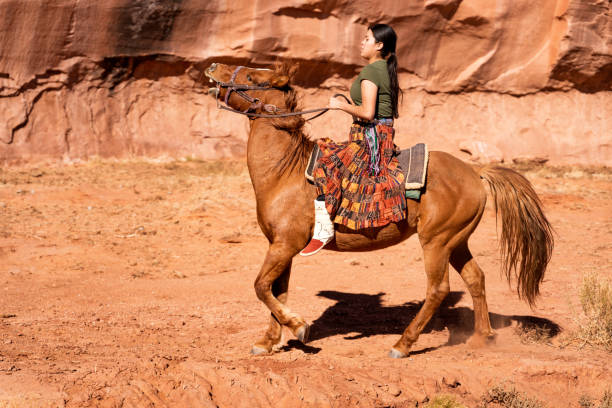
pixel 359 315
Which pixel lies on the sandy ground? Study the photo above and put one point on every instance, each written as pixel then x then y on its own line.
pixel 131 284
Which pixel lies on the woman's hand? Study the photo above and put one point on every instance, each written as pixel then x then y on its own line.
pixel 367 109
pixel 335 103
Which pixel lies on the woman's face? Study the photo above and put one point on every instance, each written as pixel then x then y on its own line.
pixel 369 46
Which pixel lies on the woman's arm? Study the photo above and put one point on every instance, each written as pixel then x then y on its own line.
pixel 367 110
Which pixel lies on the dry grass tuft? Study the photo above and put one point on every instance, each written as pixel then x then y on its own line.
pixel 595 321
pixel 444 401
pixel 573 172
pixel 605 401
pixel 499 396
pixel 533 334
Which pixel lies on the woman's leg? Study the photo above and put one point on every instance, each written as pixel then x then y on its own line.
pixel 323 228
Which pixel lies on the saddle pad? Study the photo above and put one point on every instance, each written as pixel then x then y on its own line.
pixel 413 162
pixel 314 158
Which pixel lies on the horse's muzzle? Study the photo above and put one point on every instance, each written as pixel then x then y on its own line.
pixel 208 72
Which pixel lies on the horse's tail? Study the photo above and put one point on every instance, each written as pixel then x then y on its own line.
pixel 527 236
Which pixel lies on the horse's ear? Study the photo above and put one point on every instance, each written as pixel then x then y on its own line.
pixel 284 73
pixel 293 69
pixel 279 81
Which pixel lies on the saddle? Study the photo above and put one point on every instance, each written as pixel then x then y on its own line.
pixel 413 162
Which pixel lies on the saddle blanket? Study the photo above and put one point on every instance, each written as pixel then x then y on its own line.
pixel 412 161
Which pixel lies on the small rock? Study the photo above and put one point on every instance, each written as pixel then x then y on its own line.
pixel 451 384
pixel 394 390
pixel 575 174
pixel 530 161
pixel 232 238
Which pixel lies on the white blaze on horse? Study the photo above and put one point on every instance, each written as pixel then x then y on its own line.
pixel 449 210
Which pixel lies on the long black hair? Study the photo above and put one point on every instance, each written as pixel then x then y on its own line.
pixel 386 35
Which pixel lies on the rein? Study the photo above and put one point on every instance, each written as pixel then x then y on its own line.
pixel 240 90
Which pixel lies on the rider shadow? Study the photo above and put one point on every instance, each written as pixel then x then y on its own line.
pixel 359 315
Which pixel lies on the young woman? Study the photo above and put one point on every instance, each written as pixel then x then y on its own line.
pixel 359 183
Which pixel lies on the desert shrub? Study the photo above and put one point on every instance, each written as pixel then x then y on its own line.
pixel 585 402
pixel 588 402
pixel 595 321
pixel 534 334
pixel 500 396
pixel 606 400
pixel 444 401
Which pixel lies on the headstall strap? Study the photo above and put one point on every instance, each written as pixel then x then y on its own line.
pixel 230 89
pixel 256 103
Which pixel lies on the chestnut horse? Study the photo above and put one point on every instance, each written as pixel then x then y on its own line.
pixel 447 213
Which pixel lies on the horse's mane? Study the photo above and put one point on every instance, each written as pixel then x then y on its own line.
pixel 300 146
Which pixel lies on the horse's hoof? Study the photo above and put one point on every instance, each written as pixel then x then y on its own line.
pixel 276 347
pixel 482 340
pixel 302 333
pixel 395 353
pixel 256 351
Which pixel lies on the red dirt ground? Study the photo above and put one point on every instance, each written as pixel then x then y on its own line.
pixel 131 284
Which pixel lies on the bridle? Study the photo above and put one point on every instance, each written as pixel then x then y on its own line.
pixel 240 89
pixel 255 103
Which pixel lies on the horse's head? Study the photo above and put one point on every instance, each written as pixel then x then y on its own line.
pixel 244 88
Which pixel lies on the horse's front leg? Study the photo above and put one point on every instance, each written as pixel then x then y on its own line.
pixel 273 335
pixel 272 281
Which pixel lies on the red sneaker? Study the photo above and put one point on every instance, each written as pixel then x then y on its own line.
pixel 313 247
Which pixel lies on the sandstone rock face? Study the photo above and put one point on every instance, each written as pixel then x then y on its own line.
pixel 484 80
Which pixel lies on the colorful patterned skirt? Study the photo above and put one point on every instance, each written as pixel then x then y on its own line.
pixel 361 181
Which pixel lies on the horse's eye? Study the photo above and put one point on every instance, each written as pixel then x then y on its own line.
pixel 249 78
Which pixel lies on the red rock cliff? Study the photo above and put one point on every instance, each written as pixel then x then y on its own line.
pixel 495 80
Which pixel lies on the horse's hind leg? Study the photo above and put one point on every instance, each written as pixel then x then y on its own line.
pixel 463 261
pixel 273 335
pixel 277 265
pixel 436 266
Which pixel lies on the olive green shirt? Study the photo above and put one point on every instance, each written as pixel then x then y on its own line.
pixel 378 74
